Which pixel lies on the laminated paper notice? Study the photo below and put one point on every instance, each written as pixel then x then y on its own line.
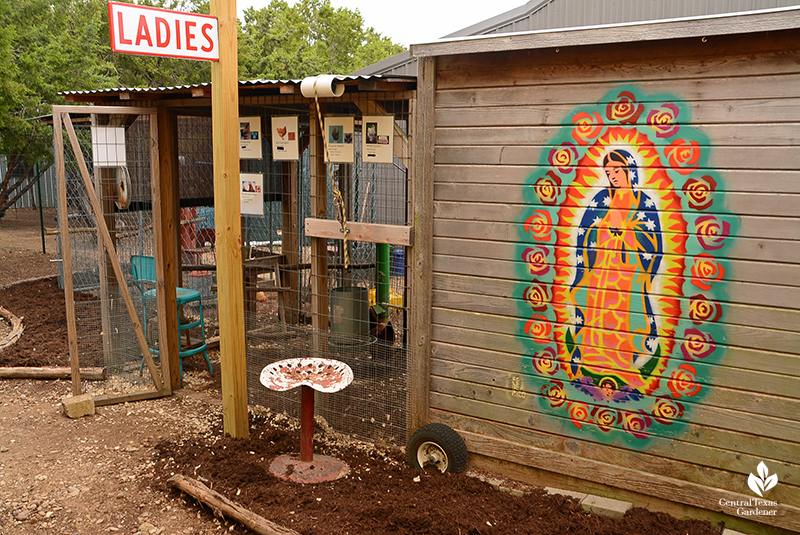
pixel 250 137
pixel 339 137
pixel 284 138
pixel 377 139
pixel 252 194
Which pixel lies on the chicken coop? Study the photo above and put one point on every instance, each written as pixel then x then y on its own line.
pixel 137 211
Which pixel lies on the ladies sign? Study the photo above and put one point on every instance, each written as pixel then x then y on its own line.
pixel 158 32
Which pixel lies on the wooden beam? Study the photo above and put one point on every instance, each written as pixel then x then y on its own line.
pixel 166 210
pixel 225 134
pixel 290 239
pixel 112 254
pixel 319 246
pixel 57 372
pixel 421 254
pixel 66 251
pixel 366 232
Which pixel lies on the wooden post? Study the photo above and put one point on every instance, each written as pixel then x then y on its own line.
pixel 166 222
pixel 290 241
pixel 225 120
pixel 66 252
pixel 421 251
pixel 319 246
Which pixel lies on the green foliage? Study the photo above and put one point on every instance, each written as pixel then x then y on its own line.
pixel 311 37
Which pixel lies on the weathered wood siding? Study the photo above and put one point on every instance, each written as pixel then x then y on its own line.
pixel 496 116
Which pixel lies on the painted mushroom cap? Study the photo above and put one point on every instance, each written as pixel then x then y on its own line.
pixel 325 375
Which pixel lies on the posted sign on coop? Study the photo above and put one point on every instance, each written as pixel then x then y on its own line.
pixel 159 32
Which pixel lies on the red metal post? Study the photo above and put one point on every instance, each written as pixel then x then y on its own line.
pixel 306 423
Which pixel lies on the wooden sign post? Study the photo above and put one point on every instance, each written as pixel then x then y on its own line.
pixel 228 220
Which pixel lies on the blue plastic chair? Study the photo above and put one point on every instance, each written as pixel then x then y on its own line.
pixel 144 270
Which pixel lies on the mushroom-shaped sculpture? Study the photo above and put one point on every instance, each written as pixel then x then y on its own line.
pixel 325 375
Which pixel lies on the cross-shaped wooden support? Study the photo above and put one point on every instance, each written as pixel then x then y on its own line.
pixel 325 375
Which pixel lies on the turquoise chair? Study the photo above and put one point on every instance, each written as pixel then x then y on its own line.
pixel 144 271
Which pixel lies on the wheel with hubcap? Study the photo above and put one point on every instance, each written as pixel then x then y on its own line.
pixel 439 446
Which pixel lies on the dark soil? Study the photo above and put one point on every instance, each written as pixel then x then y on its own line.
pixel 382 494
pixel 41 306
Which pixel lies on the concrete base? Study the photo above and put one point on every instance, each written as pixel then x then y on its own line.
pixel 78 406
pixel 321 469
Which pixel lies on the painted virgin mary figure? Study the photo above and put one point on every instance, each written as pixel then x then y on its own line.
pixel 613 347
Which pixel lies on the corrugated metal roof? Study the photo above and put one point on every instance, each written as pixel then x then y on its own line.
pixel 538 15
pixel 242 83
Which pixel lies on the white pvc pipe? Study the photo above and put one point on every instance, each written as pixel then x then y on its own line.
pixel 323 85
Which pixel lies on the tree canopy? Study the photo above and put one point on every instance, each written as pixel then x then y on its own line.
pixel 49 46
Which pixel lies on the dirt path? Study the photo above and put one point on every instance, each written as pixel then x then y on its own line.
pixel 90 476
pixel 21 254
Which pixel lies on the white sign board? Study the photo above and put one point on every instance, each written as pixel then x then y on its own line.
pixel 151 31
pixel 378 138
pixel 339 132
pixel 252 194
pixel 284 139
pixel 250 137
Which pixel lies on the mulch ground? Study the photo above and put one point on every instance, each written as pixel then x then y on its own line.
pixel 380 495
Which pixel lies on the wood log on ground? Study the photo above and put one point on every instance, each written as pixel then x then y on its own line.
pixel 59 372
pixel 16 328
pixel 220 504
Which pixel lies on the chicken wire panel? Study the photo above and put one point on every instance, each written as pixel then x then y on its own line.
pixel 197 240
pixel 375 405
pixel 118 161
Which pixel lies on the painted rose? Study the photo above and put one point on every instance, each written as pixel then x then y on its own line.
pixel 540 329
pixel 705 271
pixel 683 381
pixel 545 361
pixel 699 192
pixel 554 393
pixel 539 226
pixel 536 258
pixel 636 423
pixel 664 120
pixel 698 344
pixel 683 156
pixel 666 410
pixel 564 157
pixel 537 296
pixel 625 110
pixel 547 188
pixel 578 413
pixel 587 127
pixel 711 233
pixel 703 310
pixel 605 417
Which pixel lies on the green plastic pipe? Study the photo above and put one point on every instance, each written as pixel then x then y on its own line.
pixel 382 253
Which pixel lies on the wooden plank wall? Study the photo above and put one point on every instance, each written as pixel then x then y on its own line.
pixel 495 115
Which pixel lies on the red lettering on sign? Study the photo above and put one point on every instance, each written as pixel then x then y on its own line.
pixel 143 33
pixel 178 34
pixel 190 35
pixel 162 37
pixel 122 39
pixel 205 29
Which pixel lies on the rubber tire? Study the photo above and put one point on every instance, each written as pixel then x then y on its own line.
pixel 448 441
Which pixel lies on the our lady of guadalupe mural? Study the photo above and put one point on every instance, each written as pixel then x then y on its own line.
pixel 621 284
